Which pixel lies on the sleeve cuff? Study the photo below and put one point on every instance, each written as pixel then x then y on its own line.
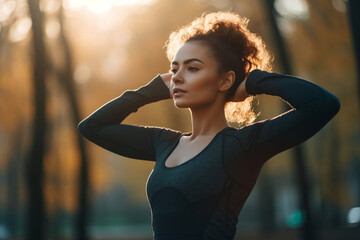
pixel 252 81
pixel 157 85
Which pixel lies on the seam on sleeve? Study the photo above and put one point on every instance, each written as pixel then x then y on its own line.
pixel 242 186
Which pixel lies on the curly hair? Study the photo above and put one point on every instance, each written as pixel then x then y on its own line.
pixel 234 48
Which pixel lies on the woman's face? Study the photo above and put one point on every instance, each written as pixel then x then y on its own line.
pixel 195 77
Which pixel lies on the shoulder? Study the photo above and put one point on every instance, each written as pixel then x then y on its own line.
pixel 243 132
pixel 162 134
pixel 243 136
pixel 232 138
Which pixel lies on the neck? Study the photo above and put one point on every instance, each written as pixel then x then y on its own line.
pixel 207 121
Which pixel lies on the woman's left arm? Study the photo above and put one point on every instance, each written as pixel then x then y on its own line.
pixel 312 107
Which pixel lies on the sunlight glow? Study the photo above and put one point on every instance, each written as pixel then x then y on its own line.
pixel 52 28
pixel 110 67
pixel 20 29
pixel 102 6
pixel 82 73
pixel 285 27
pixel 6 8
pixel 221 4
pixel 292 8
pixel 339 5
pixel 49 6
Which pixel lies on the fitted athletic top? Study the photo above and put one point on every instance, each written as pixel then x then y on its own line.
pixel 202 197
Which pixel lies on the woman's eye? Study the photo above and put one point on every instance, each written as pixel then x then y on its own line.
pixel 193 69
pixel 173 70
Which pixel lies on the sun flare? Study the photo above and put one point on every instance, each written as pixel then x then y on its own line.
pixel 102 6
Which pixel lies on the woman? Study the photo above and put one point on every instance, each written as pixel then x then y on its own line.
pixel 201 179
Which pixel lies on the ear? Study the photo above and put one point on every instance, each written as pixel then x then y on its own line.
pixel 227 80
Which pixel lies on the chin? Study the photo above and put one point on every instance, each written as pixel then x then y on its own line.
pixel 181 104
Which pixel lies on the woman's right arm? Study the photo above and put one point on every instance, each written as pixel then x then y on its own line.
pixel 103 126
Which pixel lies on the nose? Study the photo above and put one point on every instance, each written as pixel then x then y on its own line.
pixel 177 78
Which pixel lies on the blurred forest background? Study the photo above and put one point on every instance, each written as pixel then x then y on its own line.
pixel 61 60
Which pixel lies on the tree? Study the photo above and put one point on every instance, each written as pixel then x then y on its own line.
pixel 300 169
pixel 353 11
pixel 67 82
pixel 36 209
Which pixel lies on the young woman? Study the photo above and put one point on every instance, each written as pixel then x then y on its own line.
pixel 202 178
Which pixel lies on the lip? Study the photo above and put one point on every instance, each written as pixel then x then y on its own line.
pixel 178 92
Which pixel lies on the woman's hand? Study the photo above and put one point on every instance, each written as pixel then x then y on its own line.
pixel 240 94
pixel 166 77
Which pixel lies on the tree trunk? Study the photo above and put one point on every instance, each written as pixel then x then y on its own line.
pixel 66 80
pixel 12 178
pixel 308 232
pixel 354 18
pixel 34 168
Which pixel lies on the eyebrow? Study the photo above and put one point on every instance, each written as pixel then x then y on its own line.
pixel 188 61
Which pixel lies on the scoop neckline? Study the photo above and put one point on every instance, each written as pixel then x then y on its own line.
pixel 194 157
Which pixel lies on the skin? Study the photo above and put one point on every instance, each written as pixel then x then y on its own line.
pixel 194 70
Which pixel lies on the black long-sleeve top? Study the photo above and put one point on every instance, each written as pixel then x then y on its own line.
pixel 202 197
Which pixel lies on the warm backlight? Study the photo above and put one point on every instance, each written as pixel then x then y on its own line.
pixel 101 6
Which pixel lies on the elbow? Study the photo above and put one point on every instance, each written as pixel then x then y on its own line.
pixel 325 107
pixel 88 127
pixel 82 127
pixel 332 105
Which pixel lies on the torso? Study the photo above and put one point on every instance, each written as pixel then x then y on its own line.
pixel 190 192
pixel 187 149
